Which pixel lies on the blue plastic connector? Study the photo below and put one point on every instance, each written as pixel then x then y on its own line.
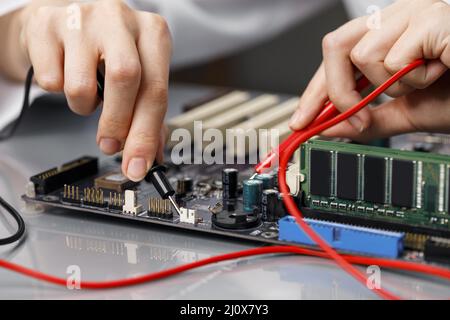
pixel 345 237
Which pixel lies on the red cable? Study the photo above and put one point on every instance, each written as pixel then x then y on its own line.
pixel 387 263
pixel 302 136
pixel 329 253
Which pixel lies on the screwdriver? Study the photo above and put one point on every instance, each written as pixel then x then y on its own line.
pixel 157 174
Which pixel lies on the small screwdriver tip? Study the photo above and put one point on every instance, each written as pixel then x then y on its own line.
pixel 175 205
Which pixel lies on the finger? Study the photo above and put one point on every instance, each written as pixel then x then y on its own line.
pixel 80 78
pixel 122 80
pixel 339 69
pixel 144 136
pixel 310 102
pixel 388 119
pixel 45 52
pixel 426 37
pixel 370 52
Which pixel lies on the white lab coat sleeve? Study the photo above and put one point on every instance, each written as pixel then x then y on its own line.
pixel 201 30
pixel 205 29
pixel 7 6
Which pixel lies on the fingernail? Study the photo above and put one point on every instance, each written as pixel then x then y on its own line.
pixel 356 123
pixel 296 120
pixel 137 169
pixel 109 146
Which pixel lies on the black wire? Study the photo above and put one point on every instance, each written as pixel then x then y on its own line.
pixel 9 131
pixel 20 223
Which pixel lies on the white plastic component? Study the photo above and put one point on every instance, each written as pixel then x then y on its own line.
pixel 208 110
pixel 231 118
pixel 188 216
pixel 131 206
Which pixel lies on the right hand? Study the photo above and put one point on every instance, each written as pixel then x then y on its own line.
pixel 135 48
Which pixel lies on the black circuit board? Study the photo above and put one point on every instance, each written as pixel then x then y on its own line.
pixel 206 194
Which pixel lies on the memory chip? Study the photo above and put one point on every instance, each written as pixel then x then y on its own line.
pixel 320 173
pixel 402 183
pixel 374 179
pixel 347 176
pixel 114 181
pixel 448 189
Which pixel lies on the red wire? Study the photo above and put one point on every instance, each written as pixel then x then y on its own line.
pixel 387 263
pixel 299 138
pixel 329 253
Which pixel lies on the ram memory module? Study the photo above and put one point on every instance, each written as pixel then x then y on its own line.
pixel 403 188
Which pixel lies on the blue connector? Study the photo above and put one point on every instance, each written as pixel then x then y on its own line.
pixel 345 237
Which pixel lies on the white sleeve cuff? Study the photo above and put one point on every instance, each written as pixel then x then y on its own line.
pixel 7 6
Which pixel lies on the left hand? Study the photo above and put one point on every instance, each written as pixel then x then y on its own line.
pixel 409 30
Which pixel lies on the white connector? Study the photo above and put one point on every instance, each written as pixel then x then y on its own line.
pixel 131 206
pixel 188 216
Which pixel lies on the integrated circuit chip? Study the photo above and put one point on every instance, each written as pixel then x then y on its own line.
pixel 374 179
pixel 114 181
pixel 347 176
pixel 320 173
pixel 402 183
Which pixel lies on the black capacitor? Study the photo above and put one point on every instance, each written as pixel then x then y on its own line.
pixel 185 185
pixel 281 209
pixel 269 204
pixel 230 183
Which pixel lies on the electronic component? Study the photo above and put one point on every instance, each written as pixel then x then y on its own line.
pixel 188 216
pixel 252 195
pixel 402 188
pixel 93 197
pixel 114 181
pixel 230 183
pixel 345 237
pixel 71 194
pixel 437 250
pixel 131 205
pixel 115 201
pixel 184 186
pixel 55 178
pixel 374 179
pixel 320 172
pixel 267 180
pixel 269 205
pixel 160 208
pixel 347 176
pixel 235 221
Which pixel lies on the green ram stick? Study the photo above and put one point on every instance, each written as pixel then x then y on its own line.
pixel 379 184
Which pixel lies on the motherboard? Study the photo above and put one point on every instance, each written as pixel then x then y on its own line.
pixel 361 199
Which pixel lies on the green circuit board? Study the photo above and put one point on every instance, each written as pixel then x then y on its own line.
pixel 402 187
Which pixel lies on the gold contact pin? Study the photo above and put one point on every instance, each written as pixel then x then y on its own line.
pixel 65 191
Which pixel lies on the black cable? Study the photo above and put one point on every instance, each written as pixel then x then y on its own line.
pixel 20 223
pixel 9 131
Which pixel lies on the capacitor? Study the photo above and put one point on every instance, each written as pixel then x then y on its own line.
pixel 229 183
pixel 269 205
pixel 267 180
pixel 184 185
pixel 281 209
pixel 252 194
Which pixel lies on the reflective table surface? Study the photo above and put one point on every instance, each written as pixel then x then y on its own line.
pixel 105 249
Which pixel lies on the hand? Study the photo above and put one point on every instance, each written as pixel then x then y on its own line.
pixel 135 48
pixel 410 29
